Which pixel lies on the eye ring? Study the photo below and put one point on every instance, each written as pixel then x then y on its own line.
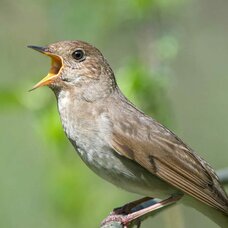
pixel 79 55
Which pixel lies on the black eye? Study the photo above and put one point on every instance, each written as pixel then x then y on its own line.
pixel 78 55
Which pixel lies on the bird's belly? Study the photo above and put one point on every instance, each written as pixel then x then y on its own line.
pixel 125 173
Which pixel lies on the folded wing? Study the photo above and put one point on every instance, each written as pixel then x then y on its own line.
pixel 163 154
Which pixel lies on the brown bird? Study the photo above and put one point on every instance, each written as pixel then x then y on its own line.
pixel 122 144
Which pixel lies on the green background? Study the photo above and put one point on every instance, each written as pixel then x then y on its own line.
pixel 170 58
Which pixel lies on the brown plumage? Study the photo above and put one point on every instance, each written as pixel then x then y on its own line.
pixel 115 139
pixel 162 153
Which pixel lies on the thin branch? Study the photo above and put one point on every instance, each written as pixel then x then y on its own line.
pixel 223 176
pixel 112 225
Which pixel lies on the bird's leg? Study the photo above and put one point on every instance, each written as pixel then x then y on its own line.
pixel 135 217
pixel 127 208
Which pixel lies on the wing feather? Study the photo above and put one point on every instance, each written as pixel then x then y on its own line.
pixel 166 156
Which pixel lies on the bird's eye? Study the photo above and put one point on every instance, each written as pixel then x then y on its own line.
pixel 78 55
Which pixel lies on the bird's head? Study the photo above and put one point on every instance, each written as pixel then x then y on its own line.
pixel 75 64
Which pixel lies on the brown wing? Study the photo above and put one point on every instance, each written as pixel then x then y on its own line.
pixel 159 151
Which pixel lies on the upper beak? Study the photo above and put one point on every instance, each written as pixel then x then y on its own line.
pixel 37 48
pixel 56 65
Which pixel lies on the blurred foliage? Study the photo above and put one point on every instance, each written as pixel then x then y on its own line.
pixel 43 183
pixel 146 89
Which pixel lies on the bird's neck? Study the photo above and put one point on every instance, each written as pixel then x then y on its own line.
pixel 71 111
pixel 97 89
pixel 79 116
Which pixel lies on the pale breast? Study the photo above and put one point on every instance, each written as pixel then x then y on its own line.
pixel 125 173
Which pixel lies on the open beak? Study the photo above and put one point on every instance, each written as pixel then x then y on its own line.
pixel 56 66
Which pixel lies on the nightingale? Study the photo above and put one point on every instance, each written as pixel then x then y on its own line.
pixel 120 143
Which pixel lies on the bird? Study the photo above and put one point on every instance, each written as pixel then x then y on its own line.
pixel 120 143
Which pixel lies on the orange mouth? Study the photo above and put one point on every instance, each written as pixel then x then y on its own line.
pixel 56 66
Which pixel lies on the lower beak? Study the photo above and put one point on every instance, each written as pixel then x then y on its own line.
pixel 56 66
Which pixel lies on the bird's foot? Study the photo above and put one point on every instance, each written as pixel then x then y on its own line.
pixel 121 216
pixel 129 207
pixel 136 212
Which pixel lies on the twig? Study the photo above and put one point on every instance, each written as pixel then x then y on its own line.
pixel 112 225
pixel 223 176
